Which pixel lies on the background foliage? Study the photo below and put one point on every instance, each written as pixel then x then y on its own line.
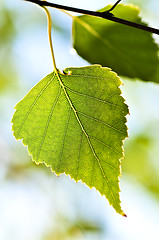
pixel 128 51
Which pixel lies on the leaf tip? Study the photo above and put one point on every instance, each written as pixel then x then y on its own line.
pixel 124 215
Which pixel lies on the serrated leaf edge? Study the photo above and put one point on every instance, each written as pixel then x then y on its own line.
pixel 87 136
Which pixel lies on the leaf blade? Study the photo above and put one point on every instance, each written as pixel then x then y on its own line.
pixel 81 136
pixel 130 52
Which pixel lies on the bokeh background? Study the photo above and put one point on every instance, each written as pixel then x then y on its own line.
pixel 35 204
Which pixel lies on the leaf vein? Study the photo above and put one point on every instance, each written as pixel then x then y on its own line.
pixel 33 104
pixel 79 151
pixel 98 120
pixel 48 122
pixel 94 98
pixel 64 137
pixel 101 168
pixel 103 144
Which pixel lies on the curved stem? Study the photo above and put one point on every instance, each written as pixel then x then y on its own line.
pixel 50 37
pixel 51 45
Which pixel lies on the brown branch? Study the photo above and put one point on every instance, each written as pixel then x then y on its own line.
pixel 105 15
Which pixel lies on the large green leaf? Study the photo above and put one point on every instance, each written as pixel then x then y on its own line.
pixel 76 125
pixel 128 51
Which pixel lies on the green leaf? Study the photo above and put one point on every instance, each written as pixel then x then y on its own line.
pixel 128 51
pixel 76 125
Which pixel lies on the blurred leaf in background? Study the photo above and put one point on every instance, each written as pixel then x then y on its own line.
pixel 141 3
pixel 128 51
pixel 142 158
pixel 74 230
pixel 7 36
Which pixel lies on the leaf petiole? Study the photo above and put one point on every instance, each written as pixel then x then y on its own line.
pixel 50 36
pixel 50 39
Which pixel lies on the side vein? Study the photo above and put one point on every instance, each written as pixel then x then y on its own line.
pixel 104 144
pixel 64 137
pixel 98 120
pixel 78 158
pixel 48 121
pixel 94 98
pixel 33 104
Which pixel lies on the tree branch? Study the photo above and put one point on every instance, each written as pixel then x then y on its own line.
pixel 105 15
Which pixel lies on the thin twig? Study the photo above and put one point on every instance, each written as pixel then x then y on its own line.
pixel 105 15
pixel 112 8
